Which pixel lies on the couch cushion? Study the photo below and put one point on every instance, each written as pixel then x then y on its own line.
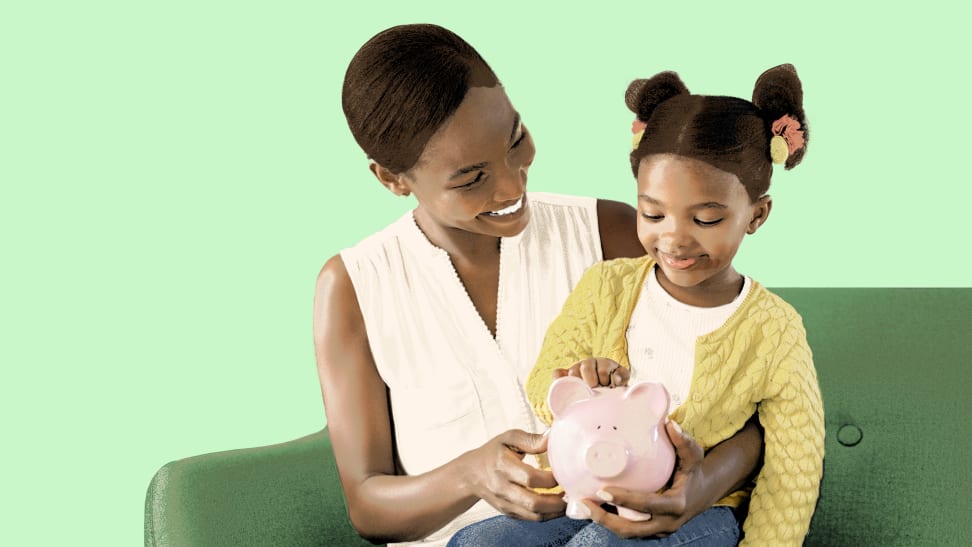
pixel 894 371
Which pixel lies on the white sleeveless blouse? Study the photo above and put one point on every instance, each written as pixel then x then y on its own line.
pixel 452 386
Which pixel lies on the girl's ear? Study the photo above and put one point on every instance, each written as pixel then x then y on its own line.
pixel 761 211
pixel 395 183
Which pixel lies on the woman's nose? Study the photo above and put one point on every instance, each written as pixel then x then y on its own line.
pixel 511 183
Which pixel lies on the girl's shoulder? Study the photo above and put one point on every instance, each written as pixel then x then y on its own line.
pixel 769 314
pixel 620 273
pixel 766 300
pixel 626 266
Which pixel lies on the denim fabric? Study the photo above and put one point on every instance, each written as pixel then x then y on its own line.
pixel 715 527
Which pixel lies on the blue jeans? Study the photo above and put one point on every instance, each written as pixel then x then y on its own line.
pixel 715 527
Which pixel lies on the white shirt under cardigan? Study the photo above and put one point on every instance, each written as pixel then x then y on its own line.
pixel 662 333
pixel 453 386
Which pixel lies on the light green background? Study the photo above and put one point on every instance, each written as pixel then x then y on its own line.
pixel 174 174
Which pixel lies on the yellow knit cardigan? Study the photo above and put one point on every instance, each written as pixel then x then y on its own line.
pixel 758 361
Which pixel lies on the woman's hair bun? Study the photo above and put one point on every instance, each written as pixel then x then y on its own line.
pixel 643 96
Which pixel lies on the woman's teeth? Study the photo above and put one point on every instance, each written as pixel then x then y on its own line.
pixel 509 210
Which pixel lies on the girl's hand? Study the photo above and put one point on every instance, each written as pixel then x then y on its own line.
pixel 669 510
pixel 597 371
pixel 498 475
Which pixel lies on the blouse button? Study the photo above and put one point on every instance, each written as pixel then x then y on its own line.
pixel 697 397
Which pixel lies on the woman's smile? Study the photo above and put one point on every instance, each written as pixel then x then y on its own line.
pixel 509 211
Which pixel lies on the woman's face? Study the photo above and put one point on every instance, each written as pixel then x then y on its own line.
pixel 692 219
pixel 472 175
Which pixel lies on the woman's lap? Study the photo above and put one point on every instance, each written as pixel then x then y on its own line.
pixel 715 527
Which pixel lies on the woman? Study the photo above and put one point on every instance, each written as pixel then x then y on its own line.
pixel 425 331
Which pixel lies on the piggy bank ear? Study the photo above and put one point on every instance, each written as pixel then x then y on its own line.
pixel 565 391
pixel 650 397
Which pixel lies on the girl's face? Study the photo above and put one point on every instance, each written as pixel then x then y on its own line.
pixel 692 219
pixel 471 178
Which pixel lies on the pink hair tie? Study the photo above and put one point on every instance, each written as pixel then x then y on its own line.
pixel 787 139
pixel 638 129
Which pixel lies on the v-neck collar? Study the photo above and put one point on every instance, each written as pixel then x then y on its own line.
pixel 508 257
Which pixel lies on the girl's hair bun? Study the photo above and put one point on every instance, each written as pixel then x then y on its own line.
pixel 778 93
pixel 643 96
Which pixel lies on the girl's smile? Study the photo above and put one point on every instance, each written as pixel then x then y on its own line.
pixel 692 219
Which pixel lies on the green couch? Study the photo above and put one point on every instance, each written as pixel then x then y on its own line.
pixel 895 369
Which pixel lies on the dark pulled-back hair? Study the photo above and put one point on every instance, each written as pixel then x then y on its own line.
pixel 726 132
pixel 402 85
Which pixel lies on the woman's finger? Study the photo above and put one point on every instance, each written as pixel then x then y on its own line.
pixel 688 452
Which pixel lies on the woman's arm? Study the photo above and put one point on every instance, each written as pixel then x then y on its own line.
pixel 618 225
pixel 383 505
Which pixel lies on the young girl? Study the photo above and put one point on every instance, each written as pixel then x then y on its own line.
pixel 723 345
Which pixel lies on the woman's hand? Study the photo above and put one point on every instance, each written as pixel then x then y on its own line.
pixel 498 475
pixel 597 371
pixel 687 497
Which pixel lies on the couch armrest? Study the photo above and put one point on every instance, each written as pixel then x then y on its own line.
pixel 283 494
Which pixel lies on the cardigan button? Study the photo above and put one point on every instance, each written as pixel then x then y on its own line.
pixel 849 435
pixel 697 397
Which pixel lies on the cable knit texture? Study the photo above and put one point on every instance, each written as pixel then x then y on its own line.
pixel 758 361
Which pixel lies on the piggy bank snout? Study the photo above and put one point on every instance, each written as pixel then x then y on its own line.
pixel 606 459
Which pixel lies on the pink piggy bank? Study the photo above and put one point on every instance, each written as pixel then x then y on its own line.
pixel 608 437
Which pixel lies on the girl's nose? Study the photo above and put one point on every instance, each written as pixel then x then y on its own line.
pixel 675 236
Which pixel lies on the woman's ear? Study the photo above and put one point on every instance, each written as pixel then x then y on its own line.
pixel 395 183
pixel 761 211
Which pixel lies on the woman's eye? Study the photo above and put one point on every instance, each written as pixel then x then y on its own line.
pixel 473 182
pixel 701 222
pixel 519 140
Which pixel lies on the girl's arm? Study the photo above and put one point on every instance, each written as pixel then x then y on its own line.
pixel 788 485
pixel 384 505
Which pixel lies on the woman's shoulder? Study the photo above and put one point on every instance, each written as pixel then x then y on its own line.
pixel 378 242
pixel 334 294
pixel 333 277
pixel 561 200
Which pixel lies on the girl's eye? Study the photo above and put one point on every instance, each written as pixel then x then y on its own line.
pixel 653 218
pixel 708 222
